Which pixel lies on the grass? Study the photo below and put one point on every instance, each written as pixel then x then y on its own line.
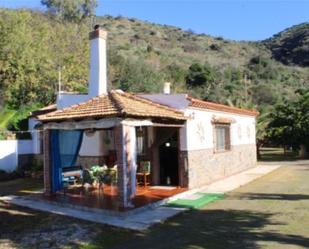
pixel 21 186
pixel 271 212
pixel 277 154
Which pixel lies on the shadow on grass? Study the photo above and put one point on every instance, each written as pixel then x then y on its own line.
pixel 211 229
pixel 274 196
pixel 20 186
pixel 26 228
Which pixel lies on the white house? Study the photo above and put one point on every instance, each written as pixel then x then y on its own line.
pixel 187 142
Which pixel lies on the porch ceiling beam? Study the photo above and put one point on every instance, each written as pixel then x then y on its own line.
pixel 168 125
pixel 86 124
pixel 137 122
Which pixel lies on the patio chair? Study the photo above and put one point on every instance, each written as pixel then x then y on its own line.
pixel 70 175
pixel 143 174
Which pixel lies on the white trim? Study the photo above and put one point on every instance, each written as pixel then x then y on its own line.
pixel 124 170
pixel 133 160
pixel 223 112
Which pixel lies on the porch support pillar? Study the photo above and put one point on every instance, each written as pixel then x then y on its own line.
pixel 47 163
pixel 125 155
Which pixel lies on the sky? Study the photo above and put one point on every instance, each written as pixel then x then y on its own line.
pixel 231 19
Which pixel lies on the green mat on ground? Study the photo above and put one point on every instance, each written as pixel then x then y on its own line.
pixel 202 201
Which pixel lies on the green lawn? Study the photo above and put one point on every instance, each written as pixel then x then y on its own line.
pixel 277 154
pixel 271 212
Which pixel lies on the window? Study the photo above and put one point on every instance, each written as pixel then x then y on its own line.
pixel 222 139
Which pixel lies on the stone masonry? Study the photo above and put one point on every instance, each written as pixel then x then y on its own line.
pixel 207 166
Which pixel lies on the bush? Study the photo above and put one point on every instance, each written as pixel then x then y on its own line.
pixel 215 47
pixel 6 176
pixel 33 169
pixel 2 137
pixel 149 48
pixel 200 75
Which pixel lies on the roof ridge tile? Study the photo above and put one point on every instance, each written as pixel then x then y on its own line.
pixel 220 107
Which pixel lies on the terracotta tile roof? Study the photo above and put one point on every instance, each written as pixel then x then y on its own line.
pixel 197 103
pixel 44 110
pixel 115 104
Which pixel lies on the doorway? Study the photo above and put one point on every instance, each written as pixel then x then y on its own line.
pixel 168 154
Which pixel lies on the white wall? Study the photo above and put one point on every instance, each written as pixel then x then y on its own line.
pixel 99 144
pixel 8 155
pixel 198 133
pixel 91 145
pixel 25 147
pixel 36 141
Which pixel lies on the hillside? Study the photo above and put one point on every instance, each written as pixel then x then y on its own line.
pixel 142 56
pixel 291 46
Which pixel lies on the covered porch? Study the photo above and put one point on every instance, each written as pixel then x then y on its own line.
pixel 108 198
pixel 143 153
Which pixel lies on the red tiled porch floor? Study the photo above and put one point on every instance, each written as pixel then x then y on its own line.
pixel 108 199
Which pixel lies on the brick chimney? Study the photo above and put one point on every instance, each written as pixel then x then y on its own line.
pixel 98 65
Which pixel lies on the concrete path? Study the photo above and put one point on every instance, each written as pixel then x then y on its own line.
pixel 139 221
pixel 233 182
pixel 146 217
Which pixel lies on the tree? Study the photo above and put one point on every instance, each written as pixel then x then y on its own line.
pixel 138 76
pixel 289 125
pixel 200 75
pixel 74 11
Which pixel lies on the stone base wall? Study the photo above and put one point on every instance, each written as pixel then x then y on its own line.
pixel 88 161
pixel 207 166
pixel 27 160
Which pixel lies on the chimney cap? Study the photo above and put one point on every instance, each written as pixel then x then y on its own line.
pixel 98 32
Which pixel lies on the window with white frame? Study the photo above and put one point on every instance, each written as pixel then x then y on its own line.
pixel 222 137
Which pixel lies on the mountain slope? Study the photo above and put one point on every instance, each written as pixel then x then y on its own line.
pixel 291 46
pixel 141 56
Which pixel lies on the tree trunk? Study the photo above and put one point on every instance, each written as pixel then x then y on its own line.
pixel 284 150
pixel 258 151
pixel 303 152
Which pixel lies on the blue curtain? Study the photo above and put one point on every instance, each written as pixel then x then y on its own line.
pixel 69 145
pixel 65 146
pixel 56 161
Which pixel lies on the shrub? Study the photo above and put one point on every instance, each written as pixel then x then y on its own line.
pixel 200 75
pixel 6 176
pixel 215 47
pixel 149 48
